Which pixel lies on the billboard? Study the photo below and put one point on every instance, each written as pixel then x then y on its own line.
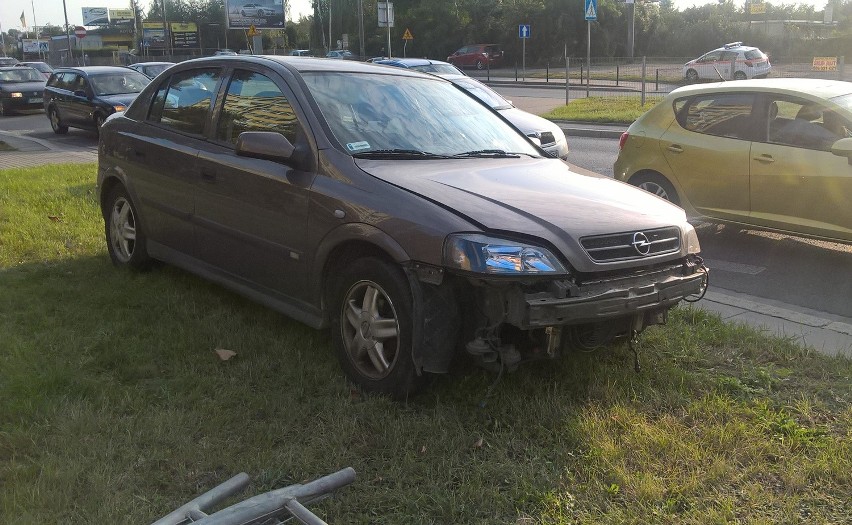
pixel 262 14
pixel 95 16
pixel 153 35
pixel 31 45
pixel 121 16
pixel 184 35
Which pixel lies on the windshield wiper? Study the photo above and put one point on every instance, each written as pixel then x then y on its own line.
pixel 492 153
pixel 398 154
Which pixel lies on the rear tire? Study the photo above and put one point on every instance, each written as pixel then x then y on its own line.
pixel 656 184
pixel 55 123
pixel 480 65
pixel 126 241
pixel 740 75
pixel 372 326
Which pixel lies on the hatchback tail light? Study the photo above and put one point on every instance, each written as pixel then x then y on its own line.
pixel 622 140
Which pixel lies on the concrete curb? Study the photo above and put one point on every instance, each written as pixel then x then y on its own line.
pixel 584 129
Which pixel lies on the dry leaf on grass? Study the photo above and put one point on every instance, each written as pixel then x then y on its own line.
pixel 423 449
pixel 55 218
pixel 224 355
pixel 478 443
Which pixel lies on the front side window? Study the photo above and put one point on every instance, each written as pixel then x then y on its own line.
pixel 183 102
pixel 723 115
pixel 376 112
pixel 254 103
pixel 805 124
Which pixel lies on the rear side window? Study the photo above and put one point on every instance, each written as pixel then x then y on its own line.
pixel 254 103
pixel 723 115
pixel 753 54
pixel 183 103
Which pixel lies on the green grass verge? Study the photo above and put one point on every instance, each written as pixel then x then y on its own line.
pixel 611 110
pixel 115 408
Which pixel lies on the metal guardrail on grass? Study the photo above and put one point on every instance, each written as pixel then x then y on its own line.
pixel 267 509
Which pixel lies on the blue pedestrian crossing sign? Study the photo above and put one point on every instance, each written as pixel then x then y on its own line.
pixel 523 31
pixel 591 9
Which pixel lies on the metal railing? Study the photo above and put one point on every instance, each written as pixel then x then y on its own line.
pixel 268 508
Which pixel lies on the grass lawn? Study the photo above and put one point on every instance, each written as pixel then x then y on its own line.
pixel 114 407
pixel 613 110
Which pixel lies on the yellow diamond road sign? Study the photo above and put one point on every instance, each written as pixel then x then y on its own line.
pixel 252 31
pixel 407 35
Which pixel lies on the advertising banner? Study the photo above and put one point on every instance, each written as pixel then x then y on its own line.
pixel 262 14
pixel 153 35
pixel 121 16
pixel 95 16
pixel 184 35
pixel 31 45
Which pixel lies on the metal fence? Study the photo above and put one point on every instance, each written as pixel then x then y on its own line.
pixel 642 77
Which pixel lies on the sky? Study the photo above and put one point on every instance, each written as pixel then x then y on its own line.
pixel 50 11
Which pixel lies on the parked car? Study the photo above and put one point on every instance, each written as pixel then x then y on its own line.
pixel 300 53
pixel 480 56
pixel 550 136
pixel 42 67
pixel 20 88
pixel 732 61
pixel 389 206
pixel 8 61
pixel 339 53
pixel 771 154
pixel 83 97
pixel 225 52
pixel 151 69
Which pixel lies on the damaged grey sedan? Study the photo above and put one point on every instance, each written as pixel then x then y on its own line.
pixel 390 207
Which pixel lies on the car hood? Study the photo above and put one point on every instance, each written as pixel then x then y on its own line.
pixel 529 123
pixel 541 198
pixel 123 99
pixel 23 86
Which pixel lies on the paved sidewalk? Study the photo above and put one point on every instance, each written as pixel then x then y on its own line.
pixel 31 152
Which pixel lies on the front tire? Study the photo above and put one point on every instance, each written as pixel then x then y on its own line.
pixel 658 185
pixel 55 123
pixel 372 324
pixel 126 241
pixel 99 121
pixel 480 65
pixel 692 75
pixel 4 108
pixel 740 75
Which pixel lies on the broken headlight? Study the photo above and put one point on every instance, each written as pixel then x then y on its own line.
pixel 483 254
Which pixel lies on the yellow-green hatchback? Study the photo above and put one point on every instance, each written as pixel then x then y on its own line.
pixel 773 154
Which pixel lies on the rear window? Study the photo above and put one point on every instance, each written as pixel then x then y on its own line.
pixel 754 54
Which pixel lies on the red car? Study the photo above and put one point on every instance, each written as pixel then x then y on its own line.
pixel 479 56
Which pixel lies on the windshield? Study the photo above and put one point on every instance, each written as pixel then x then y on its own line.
pixel 483 93
pixel 21 74
pixel 374 113
pixel 119 83
pixel 445 69
pixel 844 101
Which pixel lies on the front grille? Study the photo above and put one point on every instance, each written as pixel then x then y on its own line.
pixel 547 138
pixel 632 245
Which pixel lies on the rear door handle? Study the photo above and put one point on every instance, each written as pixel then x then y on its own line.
pixel 675 148
pixel 766 159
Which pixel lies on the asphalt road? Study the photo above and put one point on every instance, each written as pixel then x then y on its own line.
pixel 779 268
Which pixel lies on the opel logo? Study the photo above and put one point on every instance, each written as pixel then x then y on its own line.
pixel 641 243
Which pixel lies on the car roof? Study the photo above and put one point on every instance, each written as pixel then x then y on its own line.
pixel 819 88
pixel 305 64
pixel 90 70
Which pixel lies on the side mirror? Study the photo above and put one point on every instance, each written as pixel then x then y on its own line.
pixel 843 148
pixel 269 145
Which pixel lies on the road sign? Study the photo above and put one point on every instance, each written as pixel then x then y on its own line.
pixel 252 31
pixel 591 10
pixel 80 32
pixel 407 35
pixel 524 31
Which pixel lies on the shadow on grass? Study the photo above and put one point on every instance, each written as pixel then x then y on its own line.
pixel 115 404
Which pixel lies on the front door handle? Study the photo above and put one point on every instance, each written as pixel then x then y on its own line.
pixel 766 159
pixel 675 148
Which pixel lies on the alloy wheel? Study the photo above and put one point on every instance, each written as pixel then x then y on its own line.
pixel 122 229
pixel 370 329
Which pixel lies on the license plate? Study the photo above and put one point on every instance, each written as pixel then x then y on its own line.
pixel 36 100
